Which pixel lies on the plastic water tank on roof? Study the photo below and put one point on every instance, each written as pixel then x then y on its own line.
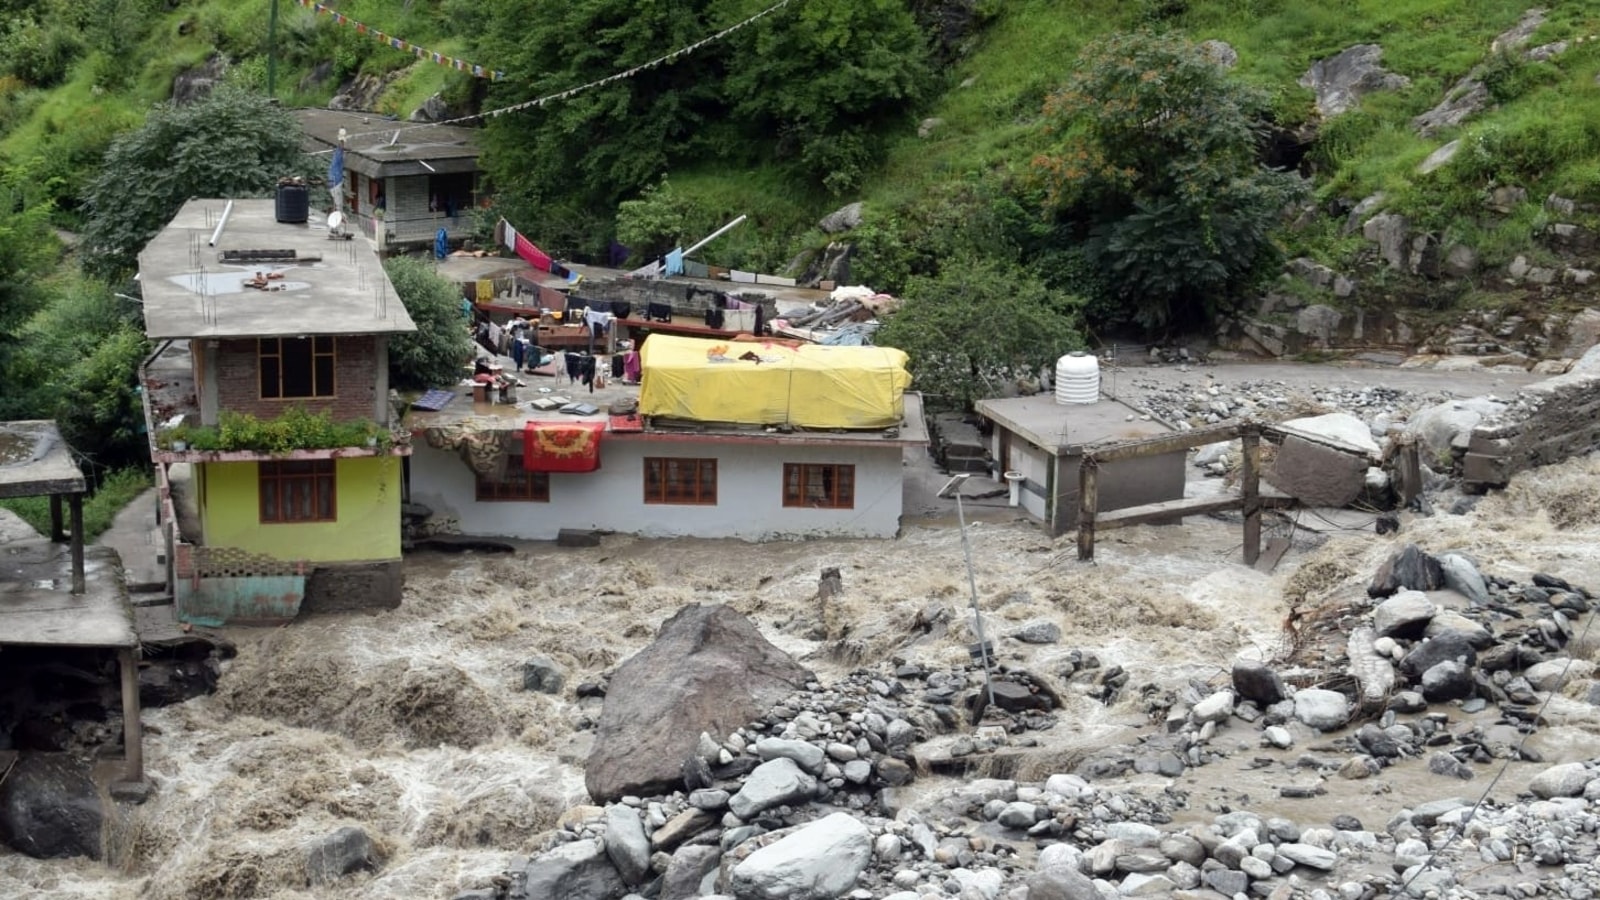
pixel 1077 379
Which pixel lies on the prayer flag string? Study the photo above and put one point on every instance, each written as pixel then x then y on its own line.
pixel 402 45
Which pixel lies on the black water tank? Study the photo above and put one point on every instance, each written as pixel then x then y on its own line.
pixel 294 203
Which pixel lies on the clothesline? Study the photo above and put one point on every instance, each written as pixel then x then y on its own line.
pixel 563 95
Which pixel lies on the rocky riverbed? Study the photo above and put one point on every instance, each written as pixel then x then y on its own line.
pixel 1175 724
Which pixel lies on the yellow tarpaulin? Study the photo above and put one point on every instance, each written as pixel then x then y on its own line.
pixel 765 383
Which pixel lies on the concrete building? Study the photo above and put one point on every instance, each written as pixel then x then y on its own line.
pixel 402 182
pixel 268 412
pixel 658 476
pixel 1044 441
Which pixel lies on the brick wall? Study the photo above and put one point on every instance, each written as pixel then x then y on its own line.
pixel 355 368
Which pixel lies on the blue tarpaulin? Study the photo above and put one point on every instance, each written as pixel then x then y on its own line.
pixel 336 168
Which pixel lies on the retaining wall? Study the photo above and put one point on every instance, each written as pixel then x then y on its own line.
pixel 1553 420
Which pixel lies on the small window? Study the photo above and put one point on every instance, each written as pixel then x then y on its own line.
pixel 515 484
pixel 672 480
pixel 296 368
pixel 297 491
pixel 826 486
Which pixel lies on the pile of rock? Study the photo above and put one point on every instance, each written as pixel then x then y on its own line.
pixel 1268 400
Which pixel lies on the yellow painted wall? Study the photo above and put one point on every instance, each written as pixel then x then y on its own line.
pixel 368 510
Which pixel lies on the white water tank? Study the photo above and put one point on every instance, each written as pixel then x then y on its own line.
pixel 1078 379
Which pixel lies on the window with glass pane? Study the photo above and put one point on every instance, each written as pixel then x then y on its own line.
pixel 671 480
pixel 823 486
pixel 515 483
pixel 297 491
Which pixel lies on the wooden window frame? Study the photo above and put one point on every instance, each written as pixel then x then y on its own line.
pixel 834 499
pixel 263 353
pixel 527 487
pixel 284 475
pixel 656 482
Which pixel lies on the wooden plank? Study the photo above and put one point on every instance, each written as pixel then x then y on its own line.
pixel 1169 443
pixel 1250 487
pixel 1088 489
pixel 1166 510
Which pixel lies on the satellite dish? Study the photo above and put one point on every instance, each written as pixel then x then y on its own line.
pixel 335 219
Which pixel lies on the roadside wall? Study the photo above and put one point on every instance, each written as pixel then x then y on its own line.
pixel 1553 420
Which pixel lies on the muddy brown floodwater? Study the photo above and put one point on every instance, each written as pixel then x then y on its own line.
pixel 412 723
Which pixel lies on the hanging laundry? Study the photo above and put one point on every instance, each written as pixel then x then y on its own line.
pixel 631 369
pixel 621 309
pixel 597 321
pixel 524 248
pixel 659 312
pixel 561 446
pixel 485 290
pixel 674 262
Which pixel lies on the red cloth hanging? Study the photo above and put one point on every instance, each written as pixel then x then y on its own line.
pixel 561 446
pixel 533 255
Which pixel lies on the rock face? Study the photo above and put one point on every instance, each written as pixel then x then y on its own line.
pixel 707 670
pixel 842 219
pixel 819 861
pixel 195 84
pixel 1341 81
pixel 50 809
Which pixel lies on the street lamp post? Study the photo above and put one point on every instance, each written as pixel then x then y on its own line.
pixel 952 488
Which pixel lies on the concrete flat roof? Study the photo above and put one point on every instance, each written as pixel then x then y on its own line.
pixel 371 137
pixel 1064 429
pixel 35 461
pixel 333 287
pixel 37 605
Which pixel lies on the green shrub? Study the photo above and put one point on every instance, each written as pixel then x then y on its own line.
pixel 295 429
pixel 114 492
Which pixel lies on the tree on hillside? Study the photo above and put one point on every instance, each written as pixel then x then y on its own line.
pixel 230 144
pixel 434 353
pixel 977 326
pixel 1153 167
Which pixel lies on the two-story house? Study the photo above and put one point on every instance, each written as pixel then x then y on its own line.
pixel 269 415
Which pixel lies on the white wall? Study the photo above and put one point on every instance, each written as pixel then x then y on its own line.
pixel 1035 464
pixel 749 494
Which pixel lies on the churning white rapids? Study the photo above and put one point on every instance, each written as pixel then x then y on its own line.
pixel 412 723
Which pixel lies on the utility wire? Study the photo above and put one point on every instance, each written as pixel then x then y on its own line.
pixel 569 92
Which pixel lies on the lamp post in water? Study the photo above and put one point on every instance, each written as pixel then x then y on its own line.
pixel 952 488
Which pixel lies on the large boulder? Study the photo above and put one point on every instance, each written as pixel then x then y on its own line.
pixel 819 861
pixel 1409 568
pixel 341 853
pixel 50 808
pixel 1340 81
pixel 627 846
pixel 773 783
pixel 1341 427
pixel 1447 427
pixel 708 670
pixel 1318 475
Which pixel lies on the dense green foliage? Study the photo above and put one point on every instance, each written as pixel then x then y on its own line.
pixel 978 327
pixel 113 492
pixel 1153 171
pixel 432 355
pixel 295 429
pixel 229 144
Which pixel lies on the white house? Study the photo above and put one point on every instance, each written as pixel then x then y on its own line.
pixel 758 440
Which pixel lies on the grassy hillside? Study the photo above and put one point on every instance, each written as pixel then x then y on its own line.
pixel 75 81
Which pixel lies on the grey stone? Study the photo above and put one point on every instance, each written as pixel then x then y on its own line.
pixel 894 772
pixel 1220 52
pixel 773 783
pixel 1565 780
pixel 857 771
pixel 1039 631
pixel 816 861
pixel 1340 81
pixel 1278 736
pixel 341 853
pixel 542 674
pixel 1466 98
pixel 1446 427
pixel 1388 231
pixel 1554 674
pixel 1229 882
pixel 1449 680
pixel 1321 709
pixel 708 670
pixel 1360 212
pixel 626 844
pixel 842 219
pixel 1319 321
pixel 1408 568
pixel 1217 707
pixel 1426 815
pixel 1138 884
pixel 1461 576
pixel 1257 682
pixel 1316 474
pixel 1405 615
pixel 805 754
pixel 1060 883
pixel 1449 622
pixel 688 868
pixel 1440 157
pixel 1444 648
pixel 1309 856
pixel 50 807
pixel 1460 261
pixel 1447 765
pixel 576 871
pixel 1018 815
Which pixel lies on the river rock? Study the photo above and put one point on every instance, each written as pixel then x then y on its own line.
pixel 805 754
pixel 1408 568
pixel 688 868
pixel 576 871
pixel 1461 576
pixel 1565 780
pixel 1316 474
pixel 819 861
pixel 1446 427
pixel 50 808
pixel 1214 708
pixel 1449 622
pixel 542 674
pixel 773 783
pixel 1039 631
pixel 1321 709
pixel 1309 856
pixel 708 670
pixel 1430 653
pixel 1341 427
pixel 1405 615
pixel 339 854
pixel 1553 674
pixel 1257 682
pixel 627 846
pixel 1449 680
pixel 1061 883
